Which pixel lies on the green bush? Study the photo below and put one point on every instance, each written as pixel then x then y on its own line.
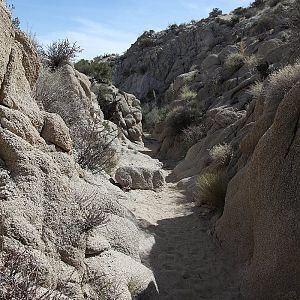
pixel 183 117
pixel 146 42
pixel 257 3
pixel 240 11
pixel 215 13
pixel 154 116
pixel 100 71
pixel 211 190
pixel 264 24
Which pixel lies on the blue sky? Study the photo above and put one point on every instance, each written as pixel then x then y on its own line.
pixel 109 26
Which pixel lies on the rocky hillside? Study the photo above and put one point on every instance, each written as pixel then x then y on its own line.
pixel 156 59
pixel 86 213
pixel 64 234
pixel 223 98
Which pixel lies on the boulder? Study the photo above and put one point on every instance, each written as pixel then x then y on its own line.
pixel 56 132
pixel 142 178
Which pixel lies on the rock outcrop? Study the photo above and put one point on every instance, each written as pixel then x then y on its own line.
pixel 122 109
pixel 260 223
pixel 57 220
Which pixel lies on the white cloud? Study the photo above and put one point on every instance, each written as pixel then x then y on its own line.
pixel 95 38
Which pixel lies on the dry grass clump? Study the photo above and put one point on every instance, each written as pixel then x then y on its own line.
pixel 234 61
pixel 280 82
pixel 186 94
pixel 256 89
pixel 221 154
pixel 211 190
pixel 251 61
pixel 192 135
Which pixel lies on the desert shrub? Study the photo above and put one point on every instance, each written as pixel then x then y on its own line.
pixel 94 142
pixel 153 116
pixel 264 24
pixel 183 117
pixel 98 70
pixel 92 213
pixel 257 3
pixel 280 82
pixel 192 135
pixel 256 89
pixel 240 11
pixel 20 280
pixel 172 26
pixel 274 3
pixel 221 155
pixel 146 42
pixel 215 13
pixel 59 53
pixel 186 94
pixel 234 61
pixel 211 190
pixel 251 61
pixel 188 78
pixel 95 149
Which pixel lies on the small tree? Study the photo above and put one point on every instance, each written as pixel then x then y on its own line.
pixel 59 53
pixel 215 12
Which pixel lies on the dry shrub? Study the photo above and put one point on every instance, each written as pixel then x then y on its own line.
pixel 59 53
pixel 96 149
pixel 153 116
pixel 211 190
pixel 94 141
pixel 280 82
pixel 256 89
pixel 186 94
pixel 19 278
pixel 251 61
pixel 192 135
pixel 221 154
pixel 235 61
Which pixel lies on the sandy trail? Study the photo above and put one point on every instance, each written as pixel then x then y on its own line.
pixel 186 261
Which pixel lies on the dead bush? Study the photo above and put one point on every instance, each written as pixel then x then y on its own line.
pixel 19 278
pixel 192 135
pixel 94 140
pixel 59 53
pixel 221 155
pixel 280 82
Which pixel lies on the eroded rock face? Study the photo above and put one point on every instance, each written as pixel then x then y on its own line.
pixel 261 218
pixel 56 217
